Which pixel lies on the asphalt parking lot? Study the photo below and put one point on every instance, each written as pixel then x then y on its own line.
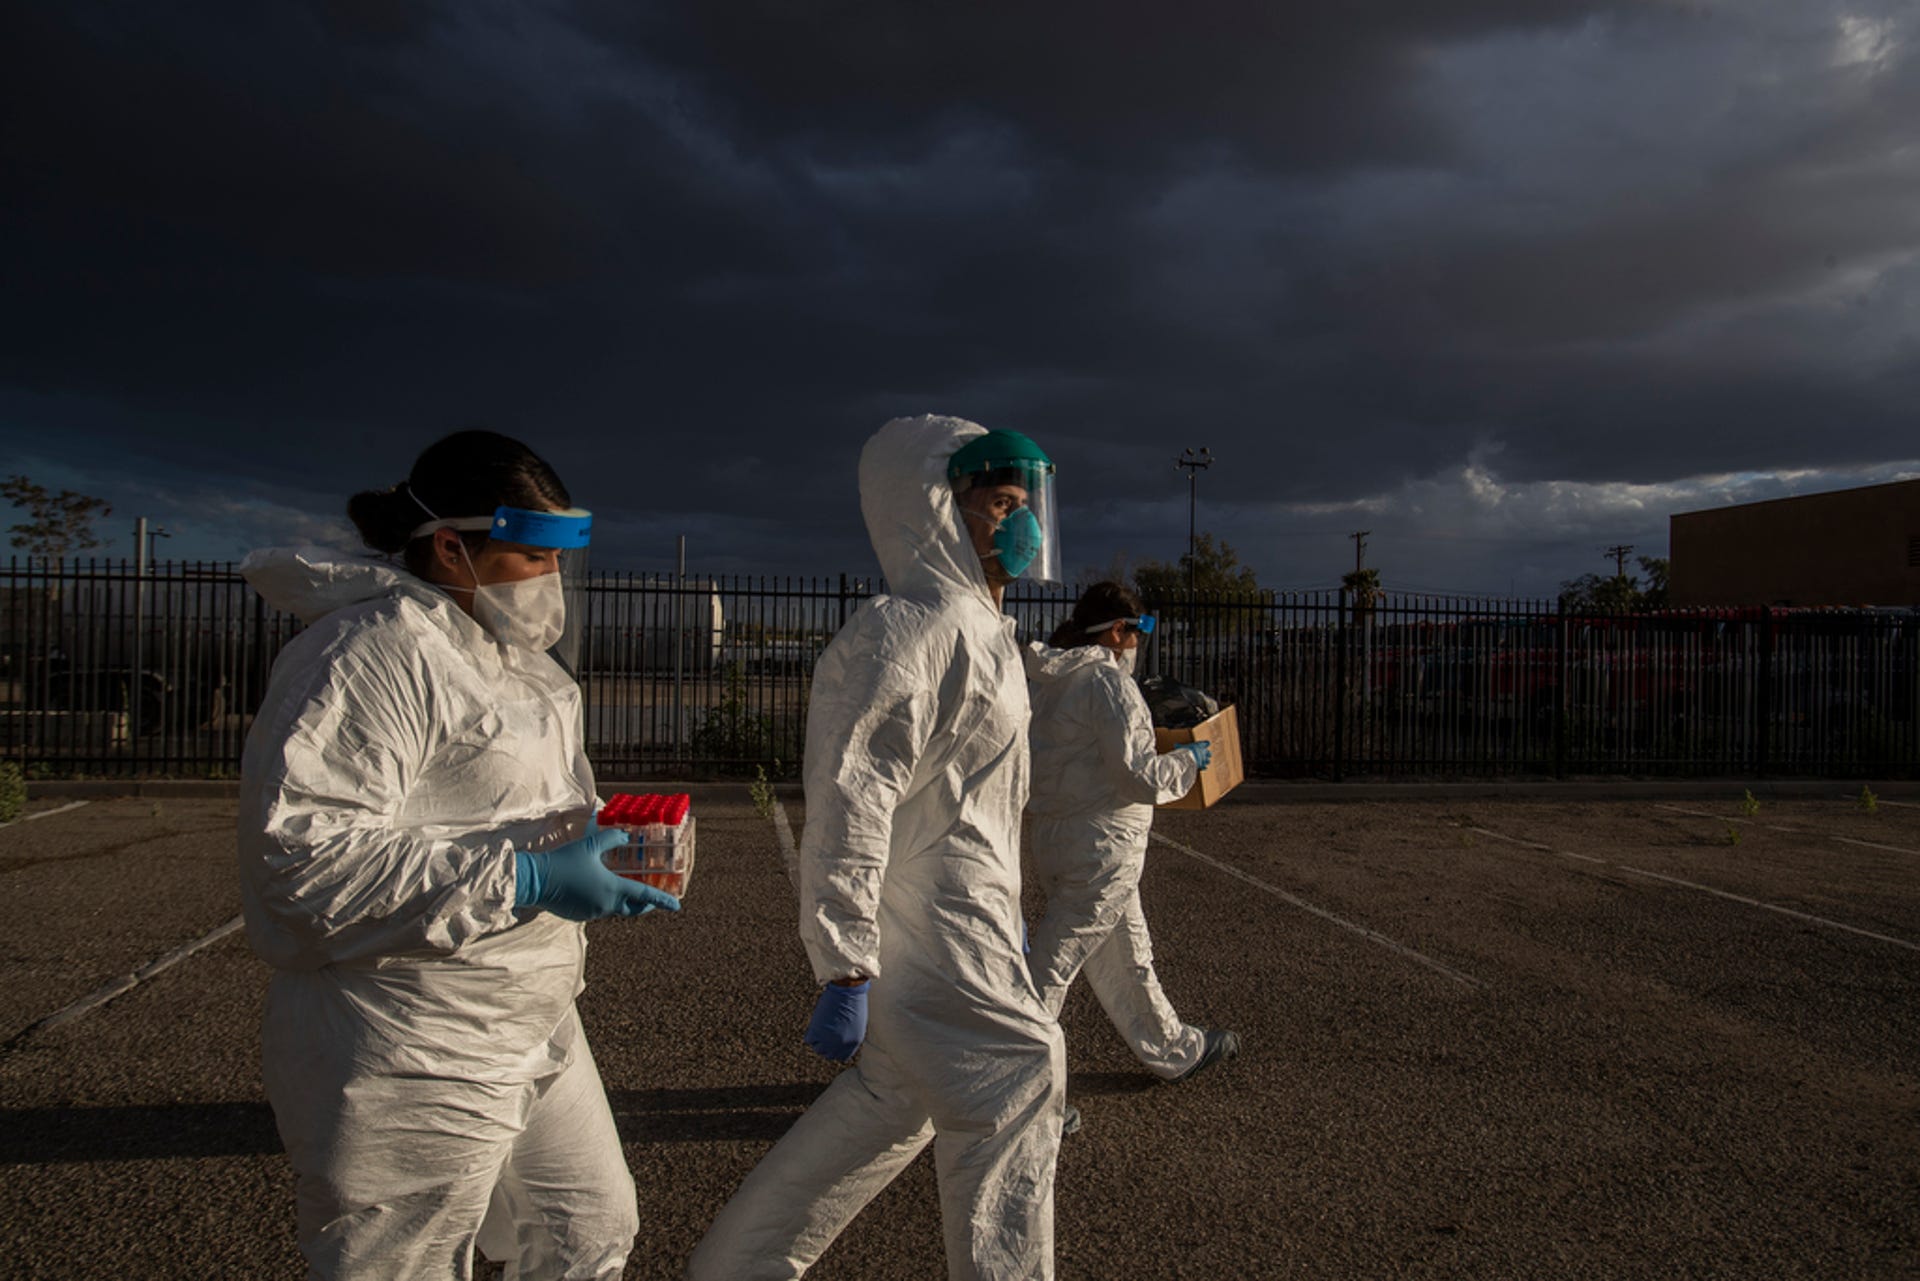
pixel 1484 1038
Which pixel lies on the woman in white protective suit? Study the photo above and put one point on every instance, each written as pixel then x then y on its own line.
pixel 416 857
pixel 1096 779
pixel 916 773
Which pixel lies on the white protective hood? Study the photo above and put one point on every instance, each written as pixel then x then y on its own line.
pixel 1045 663
pixel 311 582
pixel 912 519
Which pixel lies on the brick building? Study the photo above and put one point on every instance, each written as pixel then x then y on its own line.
pixel 1847 547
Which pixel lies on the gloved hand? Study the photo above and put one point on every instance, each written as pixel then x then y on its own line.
pixel 839 1022
pixel 1026 948
pixel 571 881
pixel 1201 749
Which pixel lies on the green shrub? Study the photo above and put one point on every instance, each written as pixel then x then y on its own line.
pixel 13 791
pixel 732 736
pixel 762 790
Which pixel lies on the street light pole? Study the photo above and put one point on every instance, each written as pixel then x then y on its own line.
pixel 143 536
pixel 1194 464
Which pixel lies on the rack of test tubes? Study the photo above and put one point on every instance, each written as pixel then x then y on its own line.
pixel 659 849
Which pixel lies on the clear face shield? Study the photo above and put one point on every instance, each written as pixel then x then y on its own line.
pixel 545 609
pixel 1010 511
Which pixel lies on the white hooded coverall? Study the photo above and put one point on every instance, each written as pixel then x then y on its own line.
pixel 916 774
pixel 421 1049
pixel 1096 778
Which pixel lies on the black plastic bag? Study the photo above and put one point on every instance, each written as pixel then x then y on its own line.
pixel 1176 706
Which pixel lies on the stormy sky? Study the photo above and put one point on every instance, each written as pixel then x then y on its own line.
pixel 1502 281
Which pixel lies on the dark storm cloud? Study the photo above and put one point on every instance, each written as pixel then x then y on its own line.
pixel 1107 83
pixel 1348 247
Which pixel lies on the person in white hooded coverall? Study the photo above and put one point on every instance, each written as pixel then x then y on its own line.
pixel 421 1049
pixel 1096 778
pixel 916 774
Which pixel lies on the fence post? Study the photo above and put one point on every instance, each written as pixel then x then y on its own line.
pixel 680 744
pixel 1560 697
pixel 262 665
pixel 1339 695
pixel 134 718
pixel 1762 733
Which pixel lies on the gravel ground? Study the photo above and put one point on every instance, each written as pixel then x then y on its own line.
pixel 1485 1038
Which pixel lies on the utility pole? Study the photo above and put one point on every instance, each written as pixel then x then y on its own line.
pixel 1359 537
pixel 1619 552
pixel 1194 463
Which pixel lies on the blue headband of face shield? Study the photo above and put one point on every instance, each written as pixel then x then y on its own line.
pixel 562 530
pixel 1143 624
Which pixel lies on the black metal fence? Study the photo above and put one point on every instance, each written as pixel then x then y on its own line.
pixel 1428 686
pixel 104 671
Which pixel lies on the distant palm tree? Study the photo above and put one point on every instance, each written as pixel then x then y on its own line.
pixel 1364 586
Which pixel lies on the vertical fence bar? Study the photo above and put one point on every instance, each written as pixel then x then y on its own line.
pixel 1763 711
pixel 1339 699
pixel 1561 694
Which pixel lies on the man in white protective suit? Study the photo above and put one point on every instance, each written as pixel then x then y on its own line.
pixel 916 775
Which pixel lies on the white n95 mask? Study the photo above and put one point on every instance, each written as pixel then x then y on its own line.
pixel 530 613
pixel 1129 659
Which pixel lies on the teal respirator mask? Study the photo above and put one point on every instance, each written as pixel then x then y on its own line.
pixel 1018 541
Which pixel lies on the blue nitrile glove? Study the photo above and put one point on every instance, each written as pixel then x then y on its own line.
pixel 571 881
pixel 839 1022
pixel 1201 749
pixel 1026 949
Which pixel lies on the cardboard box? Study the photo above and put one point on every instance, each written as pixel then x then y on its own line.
pixel 1223 773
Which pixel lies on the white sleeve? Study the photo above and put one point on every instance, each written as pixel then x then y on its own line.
pixel 327 874
pixel 867 727
pixel 1141 775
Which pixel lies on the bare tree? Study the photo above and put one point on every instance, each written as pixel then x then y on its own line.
pixel 57 523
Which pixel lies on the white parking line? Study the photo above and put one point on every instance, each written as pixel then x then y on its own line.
pixel 1875 845
pixel 1773 907
pixel 789 855
pixel 1791 831
pixel 1534 845
pixel 1708 889
pixel 58 809
pixel 125 983
pixel 1372 936
pixel 1881 800
pixel 1728 818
